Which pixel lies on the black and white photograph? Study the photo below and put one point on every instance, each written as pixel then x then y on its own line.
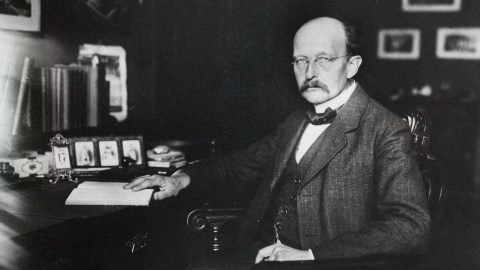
pixel 21 15
pixel 431 5
pixel 109 153
pixel 240 134
pixel 85 155
pixel 132 148
pixel 458 43
pixel 399 43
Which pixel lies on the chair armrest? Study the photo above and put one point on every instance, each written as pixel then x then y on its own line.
pixel 200 219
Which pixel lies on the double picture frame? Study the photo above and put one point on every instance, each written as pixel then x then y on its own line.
pixel 106 152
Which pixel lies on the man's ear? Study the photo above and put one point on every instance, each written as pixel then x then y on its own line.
pixel 353 65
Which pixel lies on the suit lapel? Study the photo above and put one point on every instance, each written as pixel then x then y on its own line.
pixel 288 144
pixel 335 138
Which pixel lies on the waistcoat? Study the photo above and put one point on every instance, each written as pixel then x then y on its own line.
pixel 283 205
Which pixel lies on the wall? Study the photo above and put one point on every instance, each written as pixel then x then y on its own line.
pixel 221 68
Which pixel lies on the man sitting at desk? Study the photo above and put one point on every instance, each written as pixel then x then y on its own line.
pixel 339 183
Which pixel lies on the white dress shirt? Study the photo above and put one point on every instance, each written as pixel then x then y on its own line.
pixel 311 132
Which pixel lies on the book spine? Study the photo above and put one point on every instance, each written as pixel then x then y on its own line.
pixel 45 77
pixel 58 96
pixel 3 81
pixel 36 101
pixel 103 95
pixel 65 98
pixel 25 83
pixel 53 99
pixel 92 94
pixel 74 99
pixel 84 92
pixel 33 115
pixel 9 101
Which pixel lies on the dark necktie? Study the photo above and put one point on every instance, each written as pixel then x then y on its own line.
pixel 321 118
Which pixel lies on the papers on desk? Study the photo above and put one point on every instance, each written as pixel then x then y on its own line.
pixel 107 193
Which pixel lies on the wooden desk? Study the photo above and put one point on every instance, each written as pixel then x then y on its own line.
pixel 37 231
pixel 41 205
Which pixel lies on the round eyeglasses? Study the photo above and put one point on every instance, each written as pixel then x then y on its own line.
pixel 302 63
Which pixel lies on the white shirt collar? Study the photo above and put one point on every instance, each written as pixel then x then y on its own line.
pixel 337 101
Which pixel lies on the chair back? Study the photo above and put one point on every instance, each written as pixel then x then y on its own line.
pixel 432 172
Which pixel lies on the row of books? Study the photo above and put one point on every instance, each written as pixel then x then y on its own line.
pixel 73 97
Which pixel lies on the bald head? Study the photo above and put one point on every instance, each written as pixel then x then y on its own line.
pixel 329 29
pixel 331 61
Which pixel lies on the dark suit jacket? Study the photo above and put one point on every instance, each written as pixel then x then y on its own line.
pixel 363 194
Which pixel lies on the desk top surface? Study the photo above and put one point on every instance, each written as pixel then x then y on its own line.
pixel 40 205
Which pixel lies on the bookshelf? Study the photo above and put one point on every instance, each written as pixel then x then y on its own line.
pixel 37 102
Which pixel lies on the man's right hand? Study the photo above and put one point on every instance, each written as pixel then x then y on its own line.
pixel 165 186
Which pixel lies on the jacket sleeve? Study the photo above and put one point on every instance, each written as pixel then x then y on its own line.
pixel 236 174
pixel 401 222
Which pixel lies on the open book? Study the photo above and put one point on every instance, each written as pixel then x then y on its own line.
pixel 107 193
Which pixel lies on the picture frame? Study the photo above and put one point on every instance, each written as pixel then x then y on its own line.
pixel 108 152
pixel 84 152
pixel 114 58
pixel 22 16
pixel 458 43
pixel 62 166
pixel 399 44
pixel 431 5
pixel 132 147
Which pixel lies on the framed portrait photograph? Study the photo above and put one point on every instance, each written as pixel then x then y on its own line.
pixel 23 15
pixel 108 152
pixel 132 147
pixel 399 44
pixel 84 153
pixel 431 5
pixel 458 43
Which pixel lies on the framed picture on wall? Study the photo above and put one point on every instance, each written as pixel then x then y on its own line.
pixel 458 43
pixel 398 44
pixel 431 5
pixel 23 15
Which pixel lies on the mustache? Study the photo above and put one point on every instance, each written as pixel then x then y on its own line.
pixel 313 84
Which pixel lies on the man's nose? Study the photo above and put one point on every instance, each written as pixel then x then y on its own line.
pixel 311 71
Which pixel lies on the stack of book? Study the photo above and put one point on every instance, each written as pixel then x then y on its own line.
pixel 166 159
pixel 73 97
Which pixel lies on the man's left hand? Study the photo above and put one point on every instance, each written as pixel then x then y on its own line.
pixel 280 252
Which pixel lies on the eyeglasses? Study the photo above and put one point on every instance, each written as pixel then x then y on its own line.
pixel 321 61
